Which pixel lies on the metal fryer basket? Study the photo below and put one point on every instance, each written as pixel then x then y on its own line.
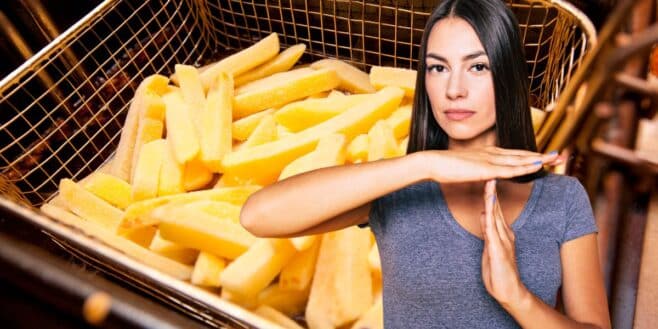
pixel 62 111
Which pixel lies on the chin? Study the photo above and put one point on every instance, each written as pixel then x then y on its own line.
pixel 463 134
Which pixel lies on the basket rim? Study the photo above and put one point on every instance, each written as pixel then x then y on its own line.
pixel 52 46
pixel 93 247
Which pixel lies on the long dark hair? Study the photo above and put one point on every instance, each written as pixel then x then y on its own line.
pixel 497 29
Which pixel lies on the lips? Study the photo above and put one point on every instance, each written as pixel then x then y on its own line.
pixel 458 114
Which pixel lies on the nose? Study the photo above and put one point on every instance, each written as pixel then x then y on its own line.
pixel 456 88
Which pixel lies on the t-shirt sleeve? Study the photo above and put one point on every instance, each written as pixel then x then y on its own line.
pixel 580 217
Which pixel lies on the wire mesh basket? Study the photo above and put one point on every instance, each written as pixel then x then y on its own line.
pixel 62 111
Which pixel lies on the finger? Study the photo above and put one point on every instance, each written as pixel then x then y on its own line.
pixel 510 233
pixel 513 160
pixel 508 230
pixel 499 219
pixel 501 150
pixel 509 172
pixel 519 152
pixel 483 225
pixel 486 269
pixel 502 232
pixel 516 160
pixel 490 226
pixel 557 161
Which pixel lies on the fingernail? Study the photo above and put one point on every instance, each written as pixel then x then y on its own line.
pixel 537 163
pixel 552 153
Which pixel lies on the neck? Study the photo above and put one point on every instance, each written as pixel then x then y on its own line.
pixel 486 138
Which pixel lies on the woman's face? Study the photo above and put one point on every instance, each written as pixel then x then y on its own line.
pixel 458 80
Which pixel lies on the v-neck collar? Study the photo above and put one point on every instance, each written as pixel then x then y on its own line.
pixel 446 214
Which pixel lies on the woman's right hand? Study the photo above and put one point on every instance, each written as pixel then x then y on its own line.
pixel 490 162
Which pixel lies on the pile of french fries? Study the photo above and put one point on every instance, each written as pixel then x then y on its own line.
pixel 195 146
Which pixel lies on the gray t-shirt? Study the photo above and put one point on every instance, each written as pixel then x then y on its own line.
pixel 432 266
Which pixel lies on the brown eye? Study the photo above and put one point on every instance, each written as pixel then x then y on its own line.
pixel 435 68
pixel 480 67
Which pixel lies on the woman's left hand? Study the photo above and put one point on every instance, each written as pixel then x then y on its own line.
pixel 499 270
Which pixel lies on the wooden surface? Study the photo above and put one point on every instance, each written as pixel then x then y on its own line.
pixel 646 307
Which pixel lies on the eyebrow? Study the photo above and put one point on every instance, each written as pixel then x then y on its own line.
pixel 465 58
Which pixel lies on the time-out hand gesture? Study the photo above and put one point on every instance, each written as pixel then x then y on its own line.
pixel 499 269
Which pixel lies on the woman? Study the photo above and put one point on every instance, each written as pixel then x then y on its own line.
pixel 472 232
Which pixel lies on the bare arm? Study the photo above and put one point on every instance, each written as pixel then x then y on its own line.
pixel 582 291
pixel 582 288
pixel 326 199
pixel 332 198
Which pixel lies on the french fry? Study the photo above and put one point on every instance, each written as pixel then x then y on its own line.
pixel 384 76
pixel 282 62
pixel 255 269
pixel 336 93
pixel 219 209
pixel 282 89
pixel 228 180
pixel 181 132
pixel 300 115
pixel 110 188
pixel 400 121
pixel 135 213
pixel 141 236
pixel 130 248
pixel 88 206
pixel 357 150
pixel 538 117
pixel 147 172
pixel 249 303
pixel 196 229
pixel 268 81
pixel 282 131
pixel 149 130
pixel 381 142
pixel 302 243
pixel 243 128
pixel 265 132
pixel 351 78
pixel 376 284
pixel 290 302
pixel 373 318
pixel 402 146
pixel 263 163
pixel 373 259
pixel 123 159
pixel 216 122
pixel 243 61
pixel 190 86
pixel 322 94
pixel 277 317
pixel 196 175
pixel 342 286
pixel 172 250
pixel 297 274
pixel 329 152
pixel 151 124
pixel 207 270
pixel 171 173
